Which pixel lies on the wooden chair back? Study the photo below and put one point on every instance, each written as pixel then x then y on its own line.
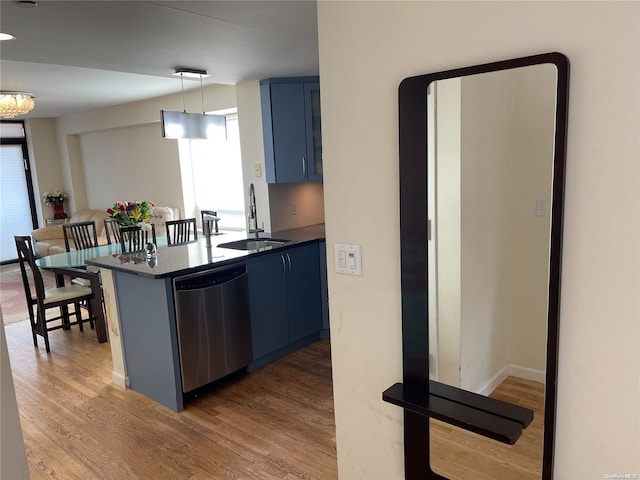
pixel 27 258
pixel 134 239
pixel 83 235
pixel 112 230
pixel 53 298
pixel 181 231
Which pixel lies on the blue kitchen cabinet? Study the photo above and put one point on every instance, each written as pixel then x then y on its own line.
pixel 304 300
pixel 268 304
pixel 292 129
pixel 285 301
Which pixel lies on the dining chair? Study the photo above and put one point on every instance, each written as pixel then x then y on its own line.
pixel 209 226
pixel 43 300
pixel 112 230
pixel 82 234
pixel 134 239
pixel 181 231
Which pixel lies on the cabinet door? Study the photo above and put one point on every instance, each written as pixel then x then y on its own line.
pixel 313 126
pixel 303 291
pixel 288 125
pixel 268 304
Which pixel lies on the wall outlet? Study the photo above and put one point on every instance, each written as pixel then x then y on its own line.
pixel 257 169
pixel 292 209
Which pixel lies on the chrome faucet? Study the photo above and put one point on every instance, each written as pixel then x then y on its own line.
pixel 253 217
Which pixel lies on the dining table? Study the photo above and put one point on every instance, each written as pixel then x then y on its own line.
pixel 72 264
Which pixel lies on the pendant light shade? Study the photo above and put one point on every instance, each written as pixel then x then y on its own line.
pixel 13 104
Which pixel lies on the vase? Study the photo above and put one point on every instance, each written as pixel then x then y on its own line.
pixel 58 210
pixel 150 249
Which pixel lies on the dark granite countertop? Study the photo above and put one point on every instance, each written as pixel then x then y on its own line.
pixel 194 257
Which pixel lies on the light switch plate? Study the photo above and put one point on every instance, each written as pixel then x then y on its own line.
pixel 348 259
pixel 542 207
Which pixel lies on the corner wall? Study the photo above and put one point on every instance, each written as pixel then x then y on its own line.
pixel 366 49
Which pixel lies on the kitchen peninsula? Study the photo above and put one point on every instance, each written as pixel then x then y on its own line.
pixel 280 285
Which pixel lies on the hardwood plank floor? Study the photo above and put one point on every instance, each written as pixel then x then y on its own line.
pixel 462 455
pixel 275 423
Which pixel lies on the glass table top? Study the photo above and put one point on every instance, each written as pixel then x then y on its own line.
pixel 77 258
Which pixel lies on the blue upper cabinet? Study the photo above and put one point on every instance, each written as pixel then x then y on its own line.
pixel 292 129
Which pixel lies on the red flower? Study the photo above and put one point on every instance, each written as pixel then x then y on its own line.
pixel 109 211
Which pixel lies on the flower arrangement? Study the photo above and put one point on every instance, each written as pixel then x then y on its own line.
pixel 53 198
pixel 130 214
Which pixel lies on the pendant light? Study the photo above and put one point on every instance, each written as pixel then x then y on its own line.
pixel 177 124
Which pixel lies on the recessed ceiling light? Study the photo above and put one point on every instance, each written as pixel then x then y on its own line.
pixel 27 3
pixel 7 36
pixel 190 73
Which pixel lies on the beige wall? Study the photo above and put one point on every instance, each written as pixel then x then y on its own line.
pixel 305 199
pixel 252 146
pixel 598 421
pixel 45 166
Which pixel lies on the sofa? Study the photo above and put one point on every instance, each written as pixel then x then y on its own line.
pixel 50 240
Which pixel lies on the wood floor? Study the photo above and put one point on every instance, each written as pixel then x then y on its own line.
pixel 461 455
pixel 275 423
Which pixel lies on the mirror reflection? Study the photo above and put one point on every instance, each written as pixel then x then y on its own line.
pixel 489 182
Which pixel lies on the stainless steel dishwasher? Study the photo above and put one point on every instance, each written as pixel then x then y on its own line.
pixel 214 328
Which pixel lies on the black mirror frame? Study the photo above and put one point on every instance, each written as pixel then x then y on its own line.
pixel 412 96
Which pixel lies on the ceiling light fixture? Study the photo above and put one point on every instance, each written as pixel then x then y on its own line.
pixel 6 36
pixel 190 73
pixel 192 125
pixel 13 104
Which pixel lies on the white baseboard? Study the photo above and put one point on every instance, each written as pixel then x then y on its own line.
pixel 496 380
pixel 527 373
pixel 511 371
pixel 120 380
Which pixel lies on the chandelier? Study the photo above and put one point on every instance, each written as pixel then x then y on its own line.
pixel 13 104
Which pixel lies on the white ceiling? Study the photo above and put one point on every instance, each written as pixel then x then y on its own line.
pixel 78 56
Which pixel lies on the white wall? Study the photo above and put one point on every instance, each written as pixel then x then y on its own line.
pixel 448 107
pixel 531 174
pixel 484 229
pixel 366 49
pixel 118 153
pixel 131 163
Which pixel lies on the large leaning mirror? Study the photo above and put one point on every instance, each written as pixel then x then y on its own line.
pixel 482 154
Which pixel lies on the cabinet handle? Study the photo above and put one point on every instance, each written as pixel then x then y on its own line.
pixel 304 168
pixel 289 259
pixel 284 265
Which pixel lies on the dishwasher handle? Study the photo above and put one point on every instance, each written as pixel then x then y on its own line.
pixel 205 280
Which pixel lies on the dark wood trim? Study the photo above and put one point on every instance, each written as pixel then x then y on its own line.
pixel 492 406
pixel 461 415
pixel 412 98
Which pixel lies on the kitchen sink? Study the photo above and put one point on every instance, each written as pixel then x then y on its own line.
pixel 254 243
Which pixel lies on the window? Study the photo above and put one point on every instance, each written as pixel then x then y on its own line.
pixel 216 171
pixel 17 205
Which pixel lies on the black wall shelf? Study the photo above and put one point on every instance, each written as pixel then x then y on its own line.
pixel 473 416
